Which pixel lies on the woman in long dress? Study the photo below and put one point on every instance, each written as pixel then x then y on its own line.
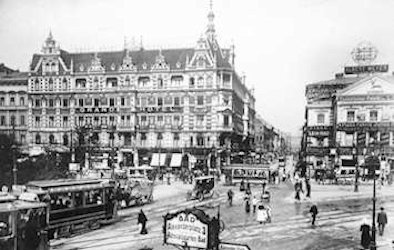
pixel 365 234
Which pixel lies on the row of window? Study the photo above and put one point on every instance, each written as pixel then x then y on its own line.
pixel 351 117
pixel 111 82
pixel 12 121
pixel 12 101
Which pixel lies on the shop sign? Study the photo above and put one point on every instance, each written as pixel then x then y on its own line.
pixel 232 246
pixel 385 138
pixel 159 109
pixel 367 125
pixel 317 151
pixel 366 69
pixel 97 110
pixel 319 128
pixel 318 133
pixel 186 229
pixel 361 138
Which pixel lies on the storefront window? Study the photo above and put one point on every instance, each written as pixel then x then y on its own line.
pixel 5 224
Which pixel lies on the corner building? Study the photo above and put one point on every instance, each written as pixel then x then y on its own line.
pixel 188 102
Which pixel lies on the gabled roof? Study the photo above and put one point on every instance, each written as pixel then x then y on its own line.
pixel 172 57
pixel 371 85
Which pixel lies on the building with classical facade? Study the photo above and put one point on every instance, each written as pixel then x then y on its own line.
pixel 350 116
pixel 13 103
pixel 141 102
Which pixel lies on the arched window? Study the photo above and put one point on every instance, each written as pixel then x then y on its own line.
pixel 65 83
pixel 65 139
pixel 37 84
pixel 96 83
pixel 160 83
pixel 127 81
pixel 12 120
pixel 50 84
pixel 51 139
pixel 200 82
pixel 38 139
pixel 191 82
pixel 209 82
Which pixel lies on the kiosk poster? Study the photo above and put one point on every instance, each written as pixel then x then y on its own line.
pixel 185 229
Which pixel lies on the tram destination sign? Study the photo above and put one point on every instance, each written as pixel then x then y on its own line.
pixel 366 69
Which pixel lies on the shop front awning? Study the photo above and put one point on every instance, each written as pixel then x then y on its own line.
pixel 155 160
pixel 176 160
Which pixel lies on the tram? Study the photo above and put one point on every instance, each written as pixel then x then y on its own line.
pixel 22 223
pixel 75 205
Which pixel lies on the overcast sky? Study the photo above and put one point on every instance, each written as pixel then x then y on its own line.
pixel 281 45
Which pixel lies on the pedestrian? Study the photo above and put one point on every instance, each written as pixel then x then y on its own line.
pixel 242 185
pixel 142 220
pixel 314 213
pixel 264 184
pixel 297 190
pixel 365 234
pixel 308 188
pixel 255 201
pixel 382 220
pixel 230 195
pixel 262 215
pixel 247 203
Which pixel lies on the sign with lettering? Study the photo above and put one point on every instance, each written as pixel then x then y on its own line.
pixel 97 110
pixel 186 229
pixel 159 109
pixel 232 246
pixel 361 126
pixel 366 69
pixel 385 138
pixel 361 137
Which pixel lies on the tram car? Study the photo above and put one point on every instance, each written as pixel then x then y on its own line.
pixel 22 223
pixel 76 205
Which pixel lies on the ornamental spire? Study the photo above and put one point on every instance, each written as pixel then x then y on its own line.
pixel 211 26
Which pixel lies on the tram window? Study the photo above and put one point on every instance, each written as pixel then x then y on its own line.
pixel 5 224
pixel 93 197
pixel 78 199
pixel 61 201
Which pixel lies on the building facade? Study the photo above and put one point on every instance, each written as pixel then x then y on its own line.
pixel 138 102
pixel 13 104
pixel 350 116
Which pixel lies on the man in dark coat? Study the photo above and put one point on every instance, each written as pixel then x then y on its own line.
pixel 142 220
pixel 314 213
pixel 382 220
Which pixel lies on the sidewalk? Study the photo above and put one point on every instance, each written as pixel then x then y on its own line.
pixel 331 192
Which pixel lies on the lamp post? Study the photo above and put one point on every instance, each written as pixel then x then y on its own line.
pixel 374 163
pixel 354 152
pixel 13 147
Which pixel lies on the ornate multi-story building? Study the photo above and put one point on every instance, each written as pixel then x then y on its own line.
pixel 13 103
pixel 351 115
pixel 181 101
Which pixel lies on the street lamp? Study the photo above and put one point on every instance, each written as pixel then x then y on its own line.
pixel 373 163
pixel 354 152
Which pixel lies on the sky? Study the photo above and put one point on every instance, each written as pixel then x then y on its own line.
pixel 280 45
